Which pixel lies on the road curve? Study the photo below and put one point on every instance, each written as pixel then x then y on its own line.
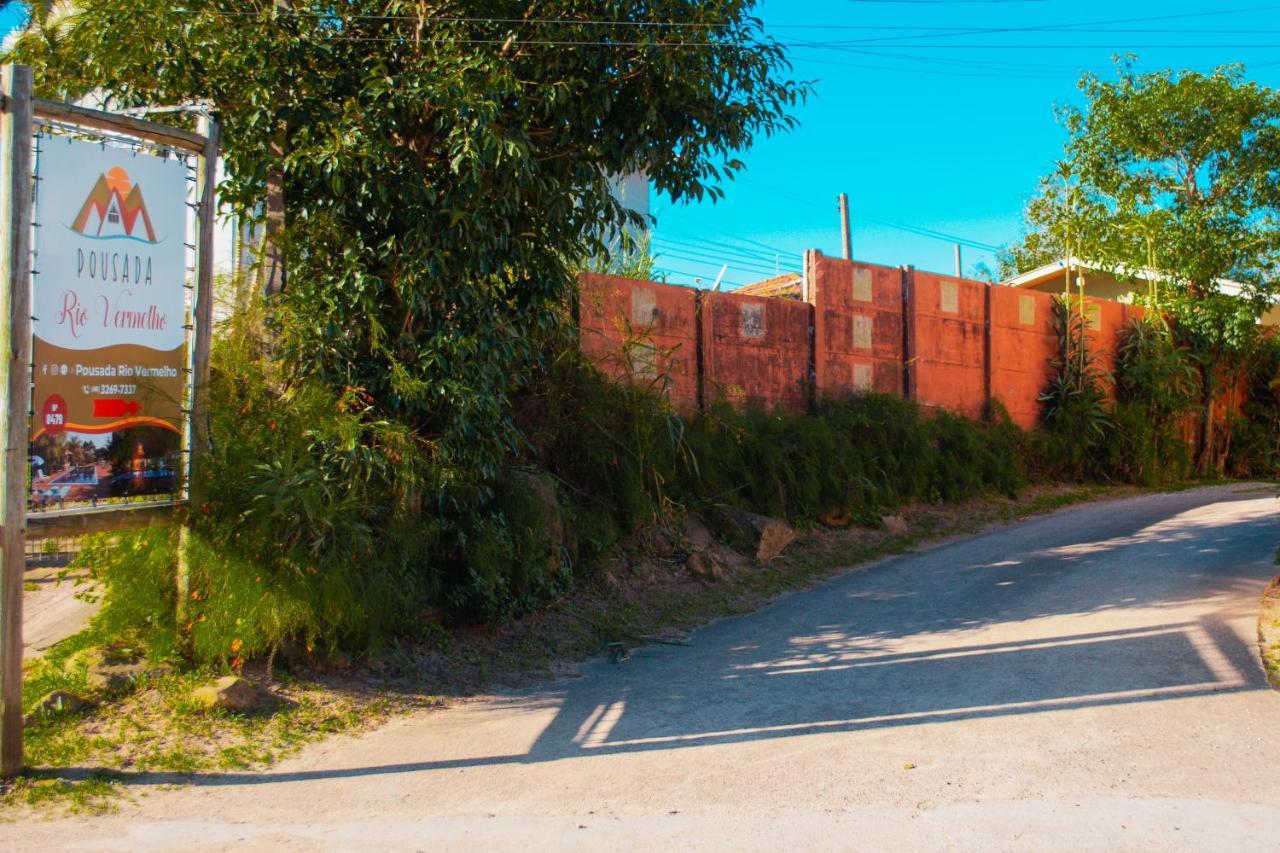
pixel 1087 680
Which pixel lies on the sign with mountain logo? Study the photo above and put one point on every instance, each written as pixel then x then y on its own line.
pixel 110 305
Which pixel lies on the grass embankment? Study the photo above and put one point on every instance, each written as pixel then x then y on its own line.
pixel 86 761
pixel 80 759
pixel 1269 630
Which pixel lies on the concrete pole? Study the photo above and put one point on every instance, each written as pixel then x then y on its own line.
pixel 845 231
pixel 959 264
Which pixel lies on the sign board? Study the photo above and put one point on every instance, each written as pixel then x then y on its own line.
pixel 110 306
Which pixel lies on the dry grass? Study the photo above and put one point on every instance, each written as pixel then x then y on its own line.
pixel 1269 631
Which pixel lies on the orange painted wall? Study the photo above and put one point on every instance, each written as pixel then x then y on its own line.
pixel 1022 345
pixel 755 351
pixel 1106 332
pixel 947 319
pixel 643 332
pixel 758 350
pixel 858 326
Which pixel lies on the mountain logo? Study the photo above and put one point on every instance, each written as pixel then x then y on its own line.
pixel 115 210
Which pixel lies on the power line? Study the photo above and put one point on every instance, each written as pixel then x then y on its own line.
pixel 670 271
pixel 1056 27
pixel 696 256
pixel 926 32
pixel 699 243
pixel 944 2
pixel 765 40
pixel 670 213
pixel 898 69
pixel 919 230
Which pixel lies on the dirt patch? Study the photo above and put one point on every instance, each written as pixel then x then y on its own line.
pixel 1269 632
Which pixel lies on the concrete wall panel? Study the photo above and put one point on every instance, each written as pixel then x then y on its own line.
pixel 948 317
pixel 755 351
pixel 758 350
pixel 1022 345
pixel 858 326
pixel 642 332
pixel 1107 323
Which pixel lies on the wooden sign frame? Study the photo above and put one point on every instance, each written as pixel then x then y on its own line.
pixel 19 111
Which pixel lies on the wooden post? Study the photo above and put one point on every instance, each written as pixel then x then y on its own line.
pixel 211 130
pixel 15 384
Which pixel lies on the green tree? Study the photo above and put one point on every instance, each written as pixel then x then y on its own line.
pixel 445 166
pixel 1178 173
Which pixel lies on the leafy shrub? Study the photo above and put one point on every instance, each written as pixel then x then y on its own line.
pixel 136 573
pixel 1255 434
pixel 311 524
pixel 626 457
pixel 619 449
pixel 1077 422
pixel 517 555
pixel 1157 387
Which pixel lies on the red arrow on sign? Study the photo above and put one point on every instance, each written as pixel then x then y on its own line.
pixel 106 408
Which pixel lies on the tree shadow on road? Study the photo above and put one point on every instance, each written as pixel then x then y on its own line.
pixel 951 634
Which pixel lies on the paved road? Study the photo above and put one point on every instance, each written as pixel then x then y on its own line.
pixel 1083 681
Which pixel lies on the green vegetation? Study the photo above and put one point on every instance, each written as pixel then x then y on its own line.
pixel 431 181
pixel 1132 427
pixel 314 533
pixel 1269 630
pixel 1255 430
pixel 82 757
pixel 434 177
pixel 1173 173
pixel 631 461
pixel 1157 391
pixel 1076 416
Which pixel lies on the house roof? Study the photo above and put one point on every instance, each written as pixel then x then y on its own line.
pixel 1050 271
pixel 785 286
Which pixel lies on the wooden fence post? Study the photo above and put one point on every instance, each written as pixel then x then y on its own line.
pixel 15 383
pixel 211 130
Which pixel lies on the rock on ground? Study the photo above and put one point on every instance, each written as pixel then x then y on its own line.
pixel 57 702
pixel 763 536
pixel 229 693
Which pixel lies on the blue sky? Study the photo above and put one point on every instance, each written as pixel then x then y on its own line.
pixel 930 114
pixel 933 129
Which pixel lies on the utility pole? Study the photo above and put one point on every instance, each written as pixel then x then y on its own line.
pixel 844 227
pixel 959 265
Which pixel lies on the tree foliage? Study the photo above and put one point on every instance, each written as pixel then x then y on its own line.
pixel 1176 172
pixel 1173 178
pixel 445 165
